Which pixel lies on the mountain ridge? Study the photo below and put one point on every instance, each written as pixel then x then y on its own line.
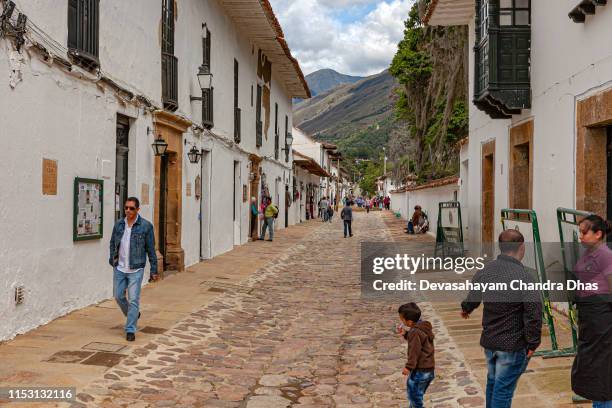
pixel 358 116
pixel 326 79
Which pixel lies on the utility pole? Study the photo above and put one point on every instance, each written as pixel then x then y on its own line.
pixel 384 172
pixel 338 186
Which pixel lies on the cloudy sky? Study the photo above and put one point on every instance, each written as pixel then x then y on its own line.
pixel 355 37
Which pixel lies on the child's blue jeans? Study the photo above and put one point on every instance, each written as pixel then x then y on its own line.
pixel 416 385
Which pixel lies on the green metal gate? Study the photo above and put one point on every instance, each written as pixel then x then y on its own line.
pixel 449 231
pixel 568 220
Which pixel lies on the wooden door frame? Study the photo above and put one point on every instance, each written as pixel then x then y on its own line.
pixel 488 150
pixel 519 135
pixel 593 115
pixel 171 128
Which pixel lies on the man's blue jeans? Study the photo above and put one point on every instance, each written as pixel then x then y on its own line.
pixel 129 306
pixel 416 385
pixel 504 371
pixel 602 404
pixel 268 223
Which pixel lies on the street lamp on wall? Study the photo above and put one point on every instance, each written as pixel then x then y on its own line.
pixel 159 145
pixel 194 155
pixel 204 78
pixel 288 142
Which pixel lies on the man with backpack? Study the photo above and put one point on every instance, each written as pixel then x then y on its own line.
pixel 270 213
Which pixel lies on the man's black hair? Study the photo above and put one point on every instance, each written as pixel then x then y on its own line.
pixel 410 311
pixel 134 200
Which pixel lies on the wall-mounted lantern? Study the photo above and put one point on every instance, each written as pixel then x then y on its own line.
pixel 204 77
pixel 194 155
pixel 159 145
pixel 288 141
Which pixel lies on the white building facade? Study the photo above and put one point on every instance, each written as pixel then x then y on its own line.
pixel 540 78
pixel 80 108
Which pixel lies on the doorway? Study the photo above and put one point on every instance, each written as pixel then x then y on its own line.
pixel 169 191
pixel 121 165
pixel 287 204
pixel 254 177
pixel 521 165
pixel 236 203
pixel 205 210
pixel 488 191
pixel 163 207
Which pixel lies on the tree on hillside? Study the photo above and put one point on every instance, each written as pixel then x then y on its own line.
pixel 430 64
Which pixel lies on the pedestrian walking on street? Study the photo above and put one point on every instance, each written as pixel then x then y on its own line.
pixel 132 240
pixel 420 364
pixel 591 373
pixel 368 205
pixel 270 213
pixel 511 320
pixel 324 205
pixel 347 216
pixel 254 218
pixel 330 213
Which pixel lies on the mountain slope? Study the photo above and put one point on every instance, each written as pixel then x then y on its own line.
pixel 326 79
pixel 359 117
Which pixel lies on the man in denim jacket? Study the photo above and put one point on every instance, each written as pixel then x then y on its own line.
pixel 133 239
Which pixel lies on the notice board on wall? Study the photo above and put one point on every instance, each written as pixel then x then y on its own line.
pixel 88 209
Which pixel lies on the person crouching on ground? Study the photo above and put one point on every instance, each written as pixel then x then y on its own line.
pixel 270 213
pixel 420 363
pixel 416 220
pixel 347 216
pixel 132 241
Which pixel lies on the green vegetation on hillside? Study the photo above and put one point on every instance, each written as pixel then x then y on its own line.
pixel 432 102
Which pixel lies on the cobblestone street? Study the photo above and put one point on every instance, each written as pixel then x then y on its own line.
pixel 296 332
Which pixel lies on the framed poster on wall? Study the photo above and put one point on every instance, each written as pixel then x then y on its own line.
pixel 88 209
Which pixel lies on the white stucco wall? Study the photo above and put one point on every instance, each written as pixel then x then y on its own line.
pixel 57 115
pixel 429 200
pixel 558 80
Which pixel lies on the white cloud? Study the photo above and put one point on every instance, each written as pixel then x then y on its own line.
pixel 357 37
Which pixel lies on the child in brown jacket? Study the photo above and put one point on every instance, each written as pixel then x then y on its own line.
pixel 420 363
